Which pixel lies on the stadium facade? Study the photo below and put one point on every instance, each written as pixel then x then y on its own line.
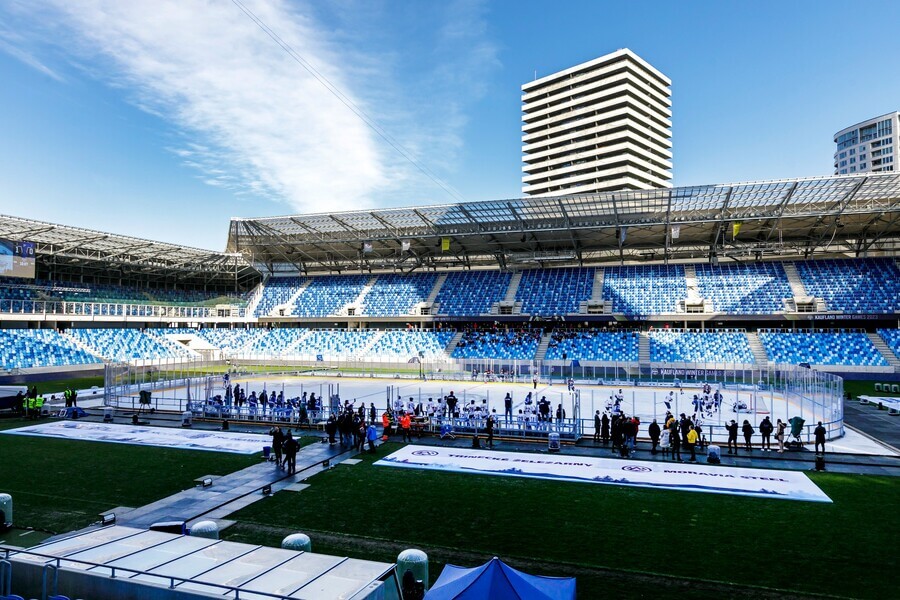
pixel 598 126
pixel 737 283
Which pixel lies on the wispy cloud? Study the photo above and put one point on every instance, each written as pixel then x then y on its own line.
pixel 15 45
pixel 253 120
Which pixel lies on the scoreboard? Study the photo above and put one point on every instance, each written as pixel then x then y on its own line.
pixel 17 259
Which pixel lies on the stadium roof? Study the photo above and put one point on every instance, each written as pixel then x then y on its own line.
pixel 832 214
pixel 64 247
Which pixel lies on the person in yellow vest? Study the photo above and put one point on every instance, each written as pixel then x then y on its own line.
pixel 32 404
pixel 38 405
pixel 692 438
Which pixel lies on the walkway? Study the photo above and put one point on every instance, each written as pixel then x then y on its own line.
pixel 876 423
pixel 232 492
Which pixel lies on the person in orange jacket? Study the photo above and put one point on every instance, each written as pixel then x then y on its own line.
pixel 405 425
pixel 386 425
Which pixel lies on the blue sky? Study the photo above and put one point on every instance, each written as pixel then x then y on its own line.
pixel 164 119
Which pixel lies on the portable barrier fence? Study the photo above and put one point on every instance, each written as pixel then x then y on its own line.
pixel 647 391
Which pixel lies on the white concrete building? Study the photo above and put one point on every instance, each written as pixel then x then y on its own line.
pixel 868 147
pixel 599 126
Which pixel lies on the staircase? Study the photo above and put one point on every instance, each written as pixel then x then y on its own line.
pixel 542 347
pixel 288 306
pixel 793 277
pixel 89 349
pixel 453 343
pixel 690 279
pixel 885 350
pixel 371 343
pixel 759 353
pixel 255 297
pixel 358 301
pixel 513 287
pixel 254 335
pixel 179 349
pixel 290 349
pixel 644 348
pixel 436 289
pixel 597 290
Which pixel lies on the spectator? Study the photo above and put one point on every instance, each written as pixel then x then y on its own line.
pixel 290 451
pixel 331 429
pixel 654 432
pixel 732 429
pixel 604 429
pixel 675 437
pixel 491 422
pixel 371 436
pixel 779 435
pixel 692 438
pixel 665 441
pixel 277 445
pixel 748 432
pixel 765 430
pixel 405 426
pixel 819 432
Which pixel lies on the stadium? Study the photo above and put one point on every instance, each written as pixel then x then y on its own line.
pixel 749 302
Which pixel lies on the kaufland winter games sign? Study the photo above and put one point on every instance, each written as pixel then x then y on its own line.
pixel 765 483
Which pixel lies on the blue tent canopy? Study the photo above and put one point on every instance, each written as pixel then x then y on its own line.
pixel 498 581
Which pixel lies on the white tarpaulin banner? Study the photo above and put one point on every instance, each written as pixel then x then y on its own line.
pixel 792 485
pixel 185 439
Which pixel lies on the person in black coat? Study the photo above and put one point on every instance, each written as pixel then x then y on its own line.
pixel 331 429
pixel 277 444
pixel 616 428
pixel 654 432
pixel 675 437
pixel 290 453
pixel 598 426
pixel 732 429
pixel 765 430
pixel 819 432
pixel 748 432
pixel 604 429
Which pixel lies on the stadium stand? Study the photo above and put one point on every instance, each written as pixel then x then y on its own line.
pixel 230 340
pixel 553 292
pixel 29 348
pixel 275 342
pixel 870 285
pixel 744 288
pixel 395 295
pixel 645 289
pixel 334 343
pixel 128 344
pixel 325 296
pixel 843 349
pixel 91 292
pixel 403 344
pixel 891 337
pixel 697 347
pixel 593 345
pixel 472 293
pixel 276 291
pixel 496 345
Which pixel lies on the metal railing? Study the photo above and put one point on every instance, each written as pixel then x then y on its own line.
pixel 55 563
pixel 112 309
